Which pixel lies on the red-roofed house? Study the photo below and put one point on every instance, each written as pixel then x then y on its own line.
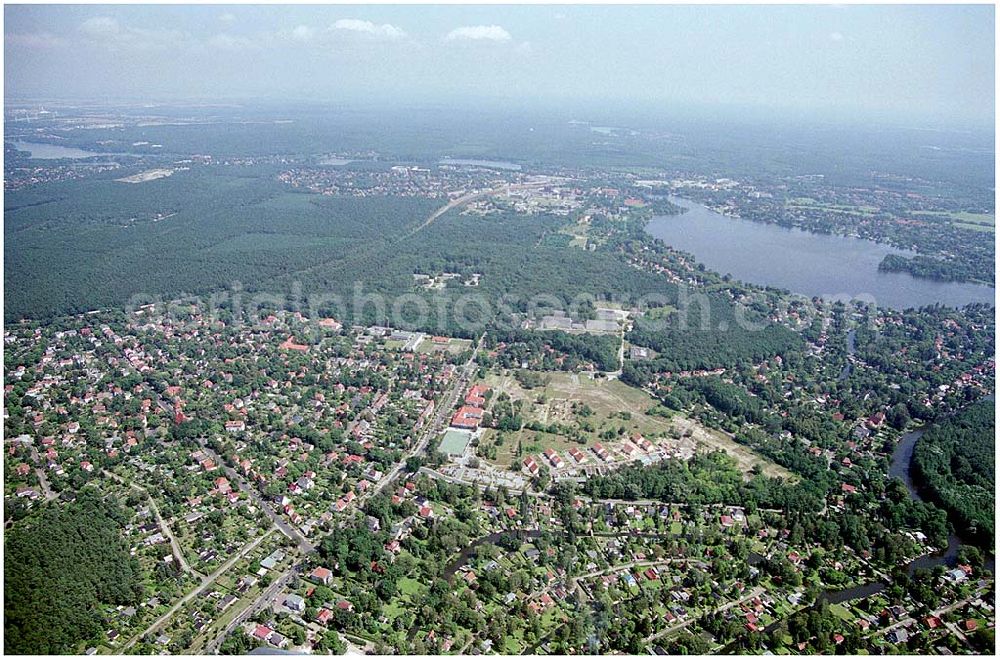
pixel 554 458
pixel 467 417
pixel 321 574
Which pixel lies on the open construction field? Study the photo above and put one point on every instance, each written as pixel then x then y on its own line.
pixel 148 175
pixel 602 408
pixel 453 345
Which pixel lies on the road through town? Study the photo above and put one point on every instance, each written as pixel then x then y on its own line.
pixel 305 546
pixel 268 595
pixel 436 425
pixel 204 584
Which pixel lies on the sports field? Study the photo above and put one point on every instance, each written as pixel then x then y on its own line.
pixel 454 442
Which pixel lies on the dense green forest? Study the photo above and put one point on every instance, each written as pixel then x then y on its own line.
pixel 517 269
pixel 60 568
pixel 704 479
pixel 939 269
pixel 707 336
pixel 524 345
pixel 80 245
pixel 954 465
pixel 75 246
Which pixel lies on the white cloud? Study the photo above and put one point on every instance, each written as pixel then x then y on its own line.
pixel 224 41
pixel 479 33
pixel 367 27
pixel 836 36
pixel 35 40
pixel 227 17
pixel 99 27
pixel 108 32
pixel 303 33
pixel 300 33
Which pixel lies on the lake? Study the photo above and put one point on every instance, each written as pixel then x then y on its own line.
pixel 51 151
pixel 825 265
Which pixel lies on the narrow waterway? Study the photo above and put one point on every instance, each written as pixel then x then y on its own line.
pixel 900 467
pixel 466 554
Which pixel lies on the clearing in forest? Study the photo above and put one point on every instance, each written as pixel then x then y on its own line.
pixel 580 411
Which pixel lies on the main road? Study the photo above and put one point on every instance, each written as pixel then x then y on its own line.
pixel 205 583
pixel 447 403
pixel 259 603
pixel 436 424
pixel 473 196
pixel 305 546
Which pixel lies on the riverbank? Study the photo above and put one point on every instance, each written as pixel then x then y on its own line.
pixel 901 468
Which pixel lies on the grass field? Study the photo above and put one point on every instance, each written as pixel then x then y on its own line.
pixel 427 345
pixel 963 216
pixel 986 229
pixel 409 586
pixel 809 204
pixel 984 222
pixel 608 400
pixel 579 230
pixel 841 612
pixel 660 312
pixel 454 442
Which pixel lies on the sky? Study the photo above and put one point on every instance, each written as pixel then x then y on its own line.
pixel 928 63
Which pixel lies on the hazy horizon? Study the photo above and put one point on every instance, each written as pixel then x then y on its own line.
pixel 921 65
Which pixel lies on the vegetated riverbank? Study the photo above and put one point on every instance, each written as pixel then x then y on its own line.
pixel 931 269
pixel 953 467
pixel 902 467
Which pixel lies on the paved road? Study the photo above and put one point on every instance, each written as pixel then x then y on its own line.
pixel 621 355
pixel 261 602
pixel 46 489
pixel 441 413
pixel 482 485
pixel 471 197
pixel 295 535
pixel 305 546
pixel 939 612
pixel 174 545
pixel 205 583
pixel 756 591
pixel 583 498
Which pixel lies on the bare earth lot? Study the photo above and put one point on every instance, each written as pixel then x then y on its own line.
pixel 148 175
pixel 607 399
